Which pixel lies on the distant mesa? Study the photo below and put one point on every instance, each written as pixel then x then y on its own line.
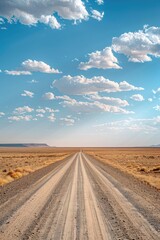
pixel 158 145
pixel 24 145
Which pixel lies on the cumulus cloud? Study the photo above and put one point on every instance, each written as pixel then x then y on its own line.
pixel 52 117
pixel 20 118
pixel 38 66
pixel 49 96
pixel 137 97
pixel 22 110
pixel 40 110
pixel 125 86
pixel 17 73
pixel 97 15
pixel 2 114
pixel 51 21
pixel 27 94
pixel 64 97
pixel 109 100
pixel 156 91
pixel 100 2
pixel 157 108
pixel 89 107
pixel 51 110
pixel 80 85
pixel 40 115
pixel 33 11
pixel 46 110
pixel 139 46
pixel 30 66
pixel 27 113
pixel 132 124
pixel 67 121
pixel 101 59
pixel 150 100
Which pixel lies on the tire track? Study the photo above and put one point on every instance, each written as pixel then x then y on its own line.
pixel 76 201
pixel 25 215
pixel 139 222
pixel 96 224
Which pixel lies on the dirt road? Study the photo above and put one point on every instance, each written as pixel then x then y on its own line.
pixel 79 198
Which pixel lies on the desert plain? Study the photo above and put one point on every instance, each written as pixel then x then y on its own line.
pixel 142 163
pixel 18 162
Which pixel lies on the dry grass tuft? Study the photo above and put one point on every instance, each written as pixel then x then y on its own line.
pixel 3 181
pixel 16 163
pixel 19 172
pixel 142 163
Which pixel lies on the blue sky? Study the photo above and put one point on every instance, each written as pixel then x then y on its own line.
pixel 80 73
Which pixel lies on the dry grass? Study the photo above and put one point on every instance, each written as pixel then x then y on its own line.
pixel 18 162
pixel 142 163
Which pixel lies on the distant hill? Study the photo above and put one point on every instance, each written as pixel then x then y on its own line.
pixel 24 145
pixel 158 145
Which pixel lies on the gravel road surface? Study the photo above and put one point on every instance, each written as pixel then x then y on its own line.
pixel 79 198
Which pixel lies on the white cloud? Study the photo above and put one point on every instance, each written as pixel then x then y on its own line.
pixel 139 46
pixel 125 86
pixel 131 124
pixel 75 60
pixel 46 110
pixel 109 100
pixel 79 85
pixel 24 114
pixel 156 91
pixel 95 106
pixel 17 73
pixel 157 108
pixel 49 96
pixel 40 115
pixel 33 11
pixel 137 97
pixel 33 81
pixel 1 20
pixel 65 97
pixel 2 114
pixel 101 59
pixel 97 15
pixel 40 110
pixel 100 2
pixel 51 110
pixel 52 117
pixel 27 94
pixel 67 121
pixel 22 110
pixel 38 66
pixel 21 118
pixel 51 21
pixel 150 100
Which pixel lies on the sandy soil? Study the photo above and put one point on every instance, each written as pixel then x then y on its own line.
pixel 143 163
pixel 18 162
pixel 79 198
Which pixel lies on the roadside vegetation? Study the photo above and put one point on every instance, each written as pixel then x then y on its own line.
pixel 16 163
pixel 142 163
